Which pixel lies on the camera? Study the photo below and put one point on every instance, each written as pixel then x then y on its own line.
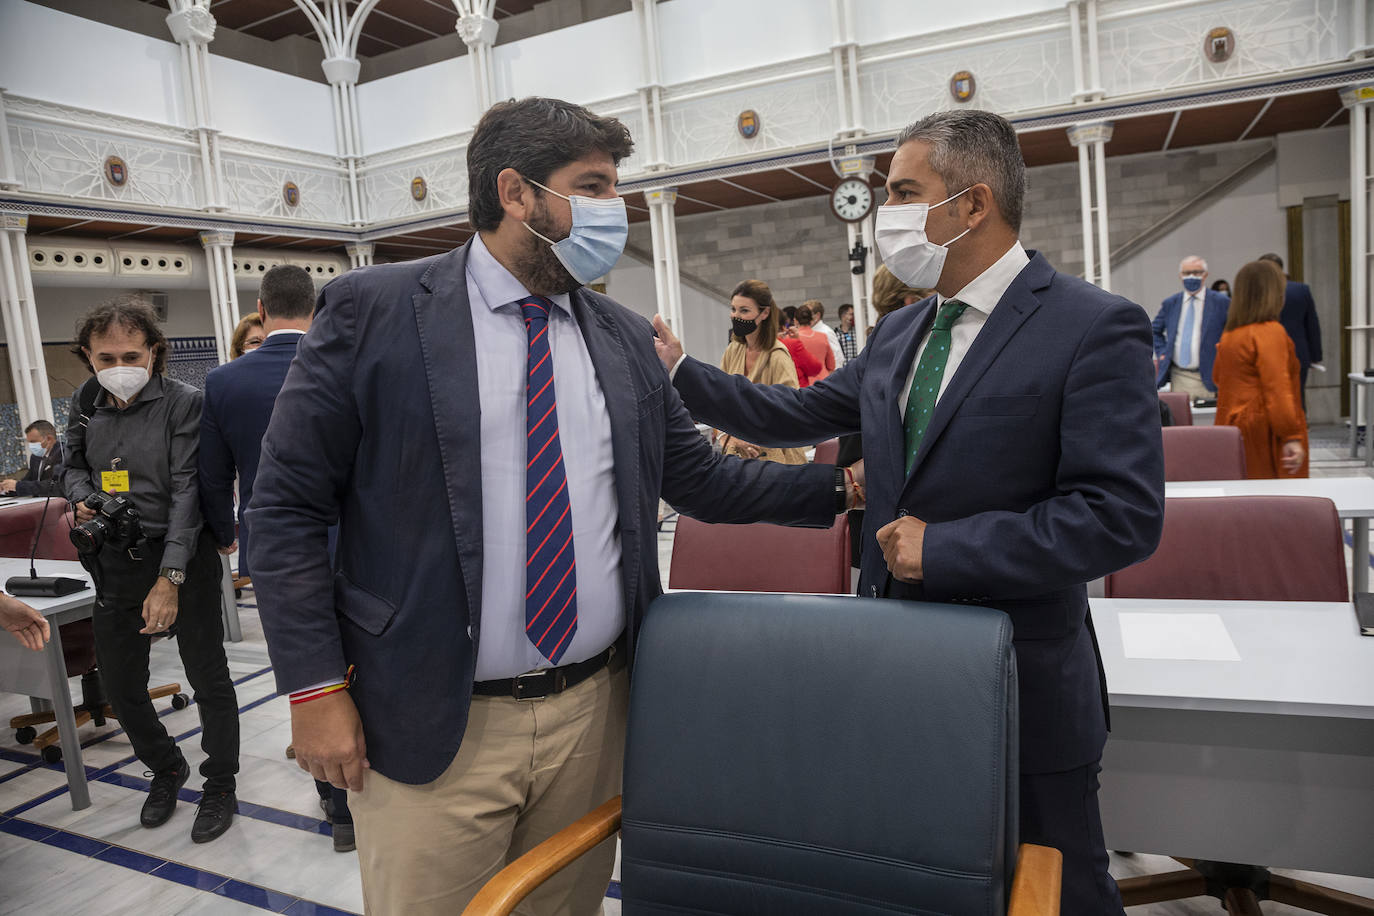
pixel 116 524
pixel 857 256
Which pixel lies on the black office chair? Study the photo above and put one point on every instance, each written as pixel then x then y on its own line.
pixel 813 755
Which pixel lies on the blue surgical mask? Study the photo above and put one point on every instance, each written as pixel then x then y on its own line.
pixel 37 450
pixel 599 230
pixel 1192 284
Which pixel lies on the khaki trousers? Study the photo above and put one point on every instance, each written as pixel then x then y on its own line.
pixel 526 769
pixel 1188 381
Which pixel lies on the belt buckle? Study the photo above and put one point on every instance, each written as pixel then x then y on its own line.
pixel 519 685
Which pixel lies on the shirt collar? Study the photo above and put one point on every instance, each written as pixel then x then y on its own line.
pixel 987 289
pixel 284 331
pixel 498 286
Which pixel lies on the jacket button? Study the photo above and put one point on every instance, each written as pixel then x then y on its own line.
pixel 902 513
pixel 874 591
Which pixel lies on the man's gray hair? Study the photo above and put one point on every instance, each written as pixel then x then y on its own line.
pixel 970 147
pixel 1193 257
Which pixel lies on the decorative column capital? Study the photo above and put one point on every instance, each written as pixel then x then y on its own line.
pixel 665 196
pixel 357 250
pixel 475 29
pixel 340 70
pixel 1359 94
pixel 1080 134
pixel 217 238
pixel 14 222
pixel 194 24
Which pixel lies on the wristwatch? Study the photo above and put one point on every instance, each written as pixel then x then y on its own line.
pixel 174 576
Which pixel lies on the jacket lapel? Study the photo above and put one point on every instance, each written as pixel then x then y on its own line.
pixel 894 429
pixel 448 349
pixel 1016 305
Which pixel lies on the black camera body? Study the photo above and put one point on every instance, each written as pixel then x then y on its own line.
pixel 116 524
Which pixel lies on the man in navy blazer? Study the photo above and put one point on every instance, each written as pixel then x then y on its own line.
pixel 413 416
pixel 46 460
pixel 1029 461
pixel 1186 331
pixel 1299 319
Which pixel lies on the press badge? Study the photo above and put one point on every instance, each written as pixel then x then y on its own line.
pixel 114 481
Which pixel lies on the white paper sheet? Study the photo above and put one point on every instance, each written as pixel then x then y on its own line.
pixel 1179 637
pixel 1195 491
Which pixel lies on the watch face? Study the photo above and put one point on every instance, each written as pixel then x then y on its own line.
pixel 852 200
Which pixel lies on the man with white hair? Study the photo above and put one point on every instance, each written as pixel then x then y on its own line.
pixel 1187 329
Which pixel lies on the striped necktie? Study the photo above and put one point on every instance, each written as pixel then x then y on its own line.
pixel 550 567
pixel 925 386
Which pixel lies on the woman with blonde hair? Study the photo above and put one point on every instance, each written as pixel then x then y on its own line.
pixel 247 336
pixel 756 353
pixel 1257 377
pixel 890 294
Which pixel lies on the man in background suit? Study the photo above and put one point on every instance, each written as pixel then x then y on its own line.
pixel 1011 448
pixel 493 439
pixel 1186 332
pixel 239 397
pixel 1299 319
pixel 45 463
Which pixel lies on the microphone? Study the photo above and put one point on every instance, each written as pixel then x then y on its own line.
pixel 42 586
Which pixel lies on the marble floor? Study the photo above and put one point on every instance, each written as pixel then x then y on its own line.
pixel 278 855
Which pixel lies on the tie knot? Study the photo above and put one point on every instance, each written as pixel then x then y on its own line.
pixel 536 308
pixel 949 313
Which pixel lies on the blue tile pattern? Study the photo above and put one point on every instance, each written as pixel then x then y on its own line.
pixel 189 359
pixel 261 897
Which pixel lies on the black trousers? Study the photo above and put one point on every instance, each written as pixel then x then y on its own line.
pixel 339 797
pixel 122 584
pixel 1060 810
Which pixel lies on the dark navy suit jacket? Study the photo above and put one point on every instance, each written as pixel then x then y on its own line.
pixel 1042 469
pixel 1214 308
pixel 45 474
pixel 1299 319
pixel 238 403
pixel 378 427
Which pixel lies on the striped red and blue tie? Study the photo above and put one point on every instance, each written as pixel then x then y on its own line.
pixel 550 567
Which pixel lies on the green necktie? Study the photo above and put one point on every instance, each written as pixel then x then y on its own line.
pixel 925 387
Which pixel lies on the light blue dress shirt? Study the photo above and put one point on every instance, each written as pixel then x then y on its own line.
pixel 584 429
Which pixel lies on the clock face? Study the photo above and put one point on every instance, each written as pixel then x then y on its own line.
pixel 852 200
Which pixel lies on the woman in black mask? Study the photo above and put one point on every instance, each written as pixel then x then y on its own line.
pixel 756 353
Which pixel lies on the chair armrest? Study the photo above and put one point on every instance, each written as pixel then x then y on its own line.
pixel 1035 886
pixel 500 895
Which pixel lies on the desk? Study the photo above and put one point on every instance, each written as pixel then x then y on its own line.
pixel 1353 496
pixel 1268 760
pixel 44 674
pixel 1204 416
pixel 1358 381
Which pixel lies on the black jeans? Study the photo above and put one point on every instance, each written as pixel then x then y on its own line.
pixel 122 652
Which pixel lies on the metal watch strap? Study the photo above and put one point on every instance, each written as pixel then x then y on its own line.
pixel 841 497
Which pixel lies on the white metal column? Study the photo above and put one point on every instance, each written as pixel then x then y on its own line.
pixel 360 254
pixel 27 365
pixel 193 28
pixel 8 178
pixel 1358 99
pixel 477 27
pixel 1091 141
pixel 667 275
pixel 651 88
pixel 224 297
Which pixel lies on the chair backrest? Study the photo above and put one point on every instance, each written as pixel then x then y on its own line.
pixel 827 452
pixel 1257 548
pixel 1179 406
pixel 820 755
pixel 761 558
pixel 1203 453
pixel 18 524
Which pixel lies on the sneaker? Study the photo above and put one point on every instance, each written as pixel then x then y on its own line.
pixel 213 817
pixel 162 795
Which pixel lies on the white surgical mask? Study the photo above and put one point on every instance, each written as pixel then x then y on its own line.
pixel 125 382
pixel 599 230
pixel 900 232
pixel 37 450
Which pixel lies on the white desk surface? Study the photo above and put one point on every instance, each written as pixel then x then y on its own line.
pixel 1353 496
pixel 19 566
pixel 10 502
pixel 1361 378
pixel 1296 658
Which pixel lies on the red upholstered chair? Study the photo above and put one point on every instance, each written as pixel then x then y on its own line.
pixel 1203 453
pixel 761 558
pixel 17 527
pixel 1179 406
pixel 827 452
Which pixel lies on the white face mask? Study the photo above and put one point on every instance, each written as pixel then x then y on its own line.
pixel 900 232
pixel 37 450
pixel 125 382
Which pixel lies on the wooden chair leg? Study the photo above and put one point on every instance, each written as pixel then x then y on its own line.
pixel 165 690
pixel 51 736
pixel 1242 902
pixel 1326 900
pixel 30 719
pixel 1173 885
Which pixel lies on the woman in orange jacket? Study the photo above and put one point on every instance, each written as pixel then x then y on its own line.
pixel 1257 378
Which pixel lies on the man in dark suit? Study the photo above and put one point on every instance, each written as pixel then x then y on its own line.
pixel 493 440
pixel 1299 319
pixel 1186 331
pixel 1011 449
pixel 239 397
pixel 45 463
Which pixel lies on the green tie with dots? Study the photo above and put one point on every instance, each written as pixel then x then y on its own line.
pixel 925 387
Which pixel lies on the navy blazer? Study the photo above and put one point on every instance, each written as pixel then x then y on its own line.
pixel 1214 308
pixel 1299 319
pixel 377 427
pixel 1042 469
pixel 45 474
pixel 238 404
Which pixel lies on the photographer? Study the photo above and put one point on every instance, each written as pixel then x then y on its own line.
pixel 131 476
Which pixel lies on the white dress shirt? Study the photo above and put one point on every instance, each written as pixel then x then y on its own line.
pixel 296 331
pixel 1186 351
pixel 830 338
pixel 584 429
pixel 981 296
